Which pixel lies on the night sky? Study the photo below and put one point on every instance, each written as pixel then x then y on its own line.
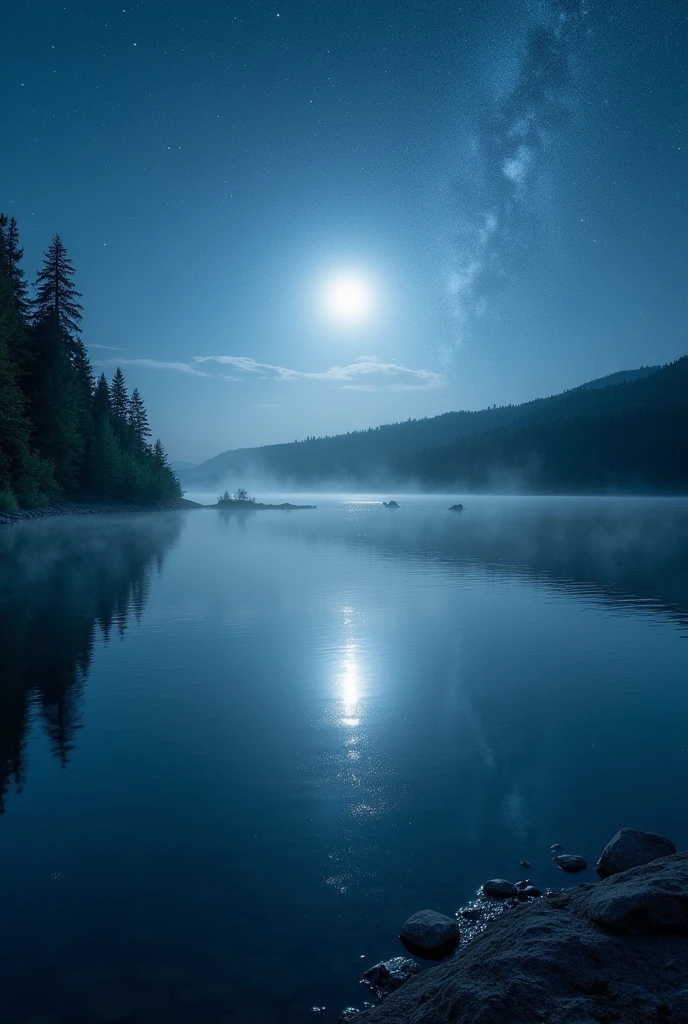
pixel 507 179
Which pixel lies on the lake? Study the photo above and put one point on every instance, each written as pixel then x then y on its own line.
pixel 237 749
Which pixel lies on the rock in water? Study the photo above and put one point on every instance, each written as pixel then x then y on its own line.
pixel 429 930
pixel 597 952
pixel 389 975
pixel 571 862
pixel 473 913
pixel 630 848
pixel 525 863
pixel 456 508
pixel 499 888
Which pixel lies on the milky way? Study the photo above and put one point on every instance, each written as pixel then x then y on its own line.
pixel 495 200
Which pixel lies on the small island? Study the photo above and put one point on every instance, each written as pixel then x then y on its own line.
pixel 243 502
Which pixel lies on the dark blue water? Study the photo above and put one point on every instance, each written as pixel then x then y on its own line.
pixel 237 750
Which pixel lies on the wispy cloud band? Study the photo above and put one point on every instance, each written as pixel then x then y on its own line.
pixel 157 364
pixel 366 373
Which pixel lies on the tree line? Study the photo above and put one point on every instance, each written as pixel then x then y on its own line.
pixel 64 434
pixel 628 436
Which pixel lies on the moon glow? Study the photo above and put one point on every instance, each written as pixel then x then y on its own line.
pixel 348 299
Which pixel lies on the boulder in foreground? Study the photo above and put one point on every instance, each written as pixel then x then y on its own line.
pixel 389 975
pixel 630 848
pixel 615 950
pixel 571 862
pixel 499 889
pixel 429 930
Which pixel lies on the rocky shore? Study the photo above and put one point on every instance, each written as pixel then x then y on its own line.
pixel 256 506
pixel 613 950
pixel 72 508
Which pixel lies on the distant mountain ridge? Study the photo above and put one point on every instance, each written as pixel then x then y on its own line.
pixel 634 418
pixel 620 377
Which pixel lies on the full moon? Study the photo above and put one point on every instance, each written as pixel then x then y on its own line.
pixel 348 298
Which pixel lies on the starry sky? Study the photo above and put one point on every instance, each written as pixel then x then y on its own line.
pixel 509 178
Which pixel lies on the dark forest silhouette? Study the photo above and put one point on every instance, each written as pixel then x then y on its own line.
pixel 628 432
pixel 59 590
pixel 62 434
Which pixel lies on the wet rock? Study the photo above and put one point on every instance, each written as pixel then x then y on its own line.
pixel 429 930
pixel 571 862
pixel 472 913
pixel 558 960
pixel 630 848
pixel 650 898
pixel 456 508
pixel 389 975
pixel 391 504
pixel 532 891
pixel 525 864
pixel 499 889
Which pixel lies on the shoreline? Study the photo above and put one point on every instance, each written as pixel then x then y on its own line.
pixel 95 508
pixel 92 508
pixel 611 950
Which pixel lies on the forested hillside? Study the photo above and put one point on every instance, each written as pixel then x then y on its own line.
pixel 631 435
pixel 62 434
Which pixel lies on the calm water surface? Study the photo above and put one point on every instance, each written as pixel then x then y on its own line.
pixel 237 750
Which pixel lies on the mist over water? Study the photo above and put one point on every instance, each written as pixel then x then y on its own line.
pixel 237 749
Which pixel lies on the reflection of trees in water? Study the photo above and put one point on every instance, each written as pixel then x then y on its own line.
pixel 60 584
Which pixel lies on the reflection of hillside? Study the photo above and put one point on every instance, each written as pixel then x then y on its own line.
pixel 625 551
pixel 60 582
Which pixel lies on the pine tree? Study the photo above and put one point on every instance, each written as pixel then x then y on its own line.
pixel 101 398
pixel 56 395
pixel 4 248
pixel 15 428
pixel 106 475
pixel 24 477
pixel 55 292
pixel 15 254
pixel 11 272
pixel 59 429
pixel 84 387
pixel 84 370
pixel 119 400
pixel 160 455
pixel 137 417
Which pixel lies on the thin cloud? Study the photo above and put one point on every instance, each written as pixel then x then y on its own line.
pixel 155 364
pixel 367 373
pixel 109 348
